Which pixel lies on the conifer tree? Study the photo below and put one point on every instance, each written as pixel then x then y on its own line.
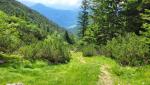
pixel 146 25
pixel 84 17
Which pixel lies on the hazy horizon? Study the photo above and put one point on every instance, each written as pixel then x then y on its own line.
pixel 56 4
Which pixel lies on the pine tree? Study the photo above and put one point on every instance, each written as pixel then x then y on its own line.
pixel 68 38
pixel 146 25
pixel 106 14
pixel 84 17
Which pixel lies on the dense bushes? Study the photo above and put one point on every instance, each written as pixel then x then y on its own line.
pixel 53 49
pixel 89 50
pixel 19 35
pixel 9 43
pixel 15 32
pixel 128 50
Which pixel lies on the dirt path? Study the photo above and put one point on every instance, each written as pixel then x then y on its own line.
pixel 82 60
pixel 105 76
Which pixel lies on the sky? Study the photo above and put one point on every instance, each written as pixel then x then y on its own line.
pixel 58 4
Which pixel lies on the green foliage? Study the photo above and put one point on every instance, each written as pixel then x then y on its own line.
pixel 10 57
pixel 91 33
pixel 132 14
pixel 9 43
pixel 53 49
pixel 146 25
pixel 111 18
pixel 16 32
pixel 11 60
pixel 128 50
pixel 69 38
pixel 84 17
pixel 89 50
pixel 108 20
pixel 15 8
pixel 27 51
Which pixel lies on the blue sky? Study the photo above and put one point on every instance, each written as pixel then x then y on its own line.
pixel 58 4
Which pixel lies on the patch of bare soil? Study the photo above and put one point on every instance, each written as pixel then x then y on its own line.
pixel 105 76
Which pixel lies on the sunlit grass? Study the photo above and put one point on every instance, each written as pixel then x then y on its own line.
pixel 79 71
pixel 73 73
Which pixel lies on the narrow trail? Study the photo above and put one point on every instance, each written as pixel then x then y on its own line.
pixel 105 76
pixel 82 60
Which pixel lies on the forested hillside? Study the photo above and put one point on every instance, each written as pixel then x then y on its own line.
pixel 16 32
pixel 27 33
pixel 14 8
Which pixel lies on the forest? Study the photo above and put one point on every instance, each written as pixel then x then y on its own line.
pixel 110 46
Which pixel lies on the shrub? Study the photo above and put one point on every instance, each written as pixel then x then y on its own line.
pixel 12 60
pixel 53 49
pixel 128 50
pixel 9 40
pixel 89 50
pixel 27 51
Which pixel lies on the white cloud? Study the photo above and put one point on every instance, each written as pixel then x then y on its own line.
pixel 60 4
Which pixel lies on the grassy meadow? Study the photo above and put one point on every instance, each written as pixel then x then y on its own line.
pixel 80 71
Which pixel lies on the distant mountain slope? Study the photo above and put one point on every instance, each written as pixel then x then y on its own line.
pixel 14 8
pixel 65 18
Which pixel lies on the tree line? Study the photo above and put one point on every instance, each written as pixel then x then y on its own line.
pixel 102 22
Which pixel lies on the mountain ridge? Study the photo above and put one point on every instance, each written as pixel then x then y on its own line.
pixel 15 8
pixel 64 18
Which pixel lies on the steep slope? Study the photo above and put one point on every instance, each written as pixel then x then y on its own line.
pixel 15 32
pixel 64 18
pixel 14 8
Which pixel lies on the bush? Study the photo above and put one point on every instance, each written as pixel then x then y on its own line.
pixel 28 51
pixel 12 60
pixel 128 50
pixel 9 40
pixel 89 50
pixel 52 49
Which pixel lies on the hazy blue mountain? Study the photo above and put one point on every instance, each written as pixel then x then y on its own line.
pixel 64 18
pixel 15 8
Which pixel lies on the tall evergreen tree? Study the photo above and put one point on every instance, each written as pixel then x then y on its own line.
pixel 84 17
pixel 69 38
pixel 106 14
pixel 132 13
pixel 111 18
pixel 146 25
pixel 146 21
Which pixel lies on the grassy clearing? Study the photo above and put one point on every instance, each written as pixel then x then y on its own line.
pixel 80 71
pixel 74 73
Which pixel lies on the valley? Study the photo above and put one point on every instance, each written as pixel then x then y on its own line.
pixel 74 42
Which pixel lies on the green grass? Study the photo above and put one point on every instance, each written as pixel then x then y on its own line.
pixel 80 71
pixel 73 73
pixel 127 75
pixel 131 75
